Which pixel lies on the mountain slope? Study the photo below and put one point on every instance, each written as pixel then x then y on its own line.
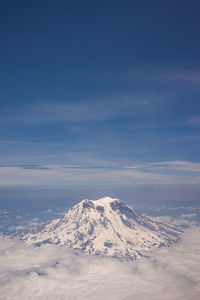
pixel 108 227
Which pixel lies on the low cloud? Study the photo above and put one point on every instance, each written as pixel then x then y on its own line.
pixel 184 220
pixel 52 272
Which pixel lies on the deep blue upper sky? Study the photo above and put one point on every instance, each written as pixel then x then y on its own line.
pixel 99 91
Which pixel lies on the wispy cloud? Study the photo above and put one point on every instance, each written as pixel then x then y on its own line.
pixel 97 110
pixel 167 76
pixel 27 167
pixel 53 272
pixel 100 172
pixel 178 165
pixel 195 120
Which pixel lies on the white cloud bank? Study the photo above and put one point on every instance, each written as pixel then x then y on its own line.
pixel 50 272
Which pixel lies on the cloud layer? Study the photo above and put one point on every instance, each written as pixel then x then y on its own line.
pixel 51 272
pixel 99 171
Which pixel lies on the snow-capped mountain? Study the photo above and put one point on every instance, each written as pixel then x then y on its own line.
pixel 108 227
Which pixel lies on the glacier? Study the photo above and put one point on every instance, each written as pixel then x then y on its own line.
pixel 106 226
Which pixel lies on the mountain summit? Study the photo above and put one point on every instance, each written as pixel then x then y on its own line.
pixel 108 227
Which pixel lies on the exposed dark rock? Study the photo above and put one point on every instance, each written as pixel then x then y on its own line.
pixel 84 245
pixel 108 244
pixel 79 235
pixel 161 245
pixel 86 220
pixel 118 235
pixel 100 208
pixel 104 222
pixel 91 230
pixel 88 204
pixel 47 241
pixel 126 222
pixel 114 205
pixel 41 273
pixel 128 242
pixel 128 212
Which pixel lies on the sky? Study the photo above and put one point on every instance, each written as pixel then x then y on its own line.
pixel 99 92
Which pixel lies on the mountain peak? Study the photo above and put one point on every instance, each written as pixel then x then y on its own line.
pixel 105 226
pixel 105 201
pixel 100 205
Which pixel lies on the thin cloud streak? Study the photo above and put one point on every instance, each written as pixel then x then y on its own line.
pixel 178 165
pixel 193 121
pixel 113 174
pixel 97 110
pixel 166 76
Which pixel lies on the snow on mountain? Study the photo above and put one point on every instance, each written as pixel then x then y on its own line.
pixel 107 227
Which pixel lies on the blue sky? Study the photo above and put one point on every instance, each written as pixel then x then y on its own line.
pixel 97 92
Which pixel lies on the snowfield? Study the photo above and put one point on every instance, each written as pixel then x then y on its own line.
pixel 107 227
